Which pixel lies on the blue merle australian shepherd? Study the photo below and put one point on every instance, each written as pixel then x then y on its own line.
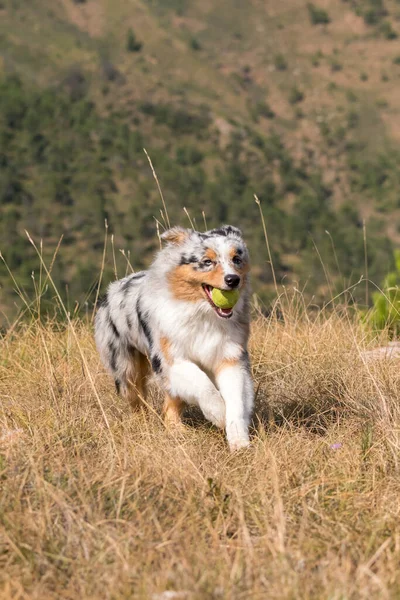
pixel 164 320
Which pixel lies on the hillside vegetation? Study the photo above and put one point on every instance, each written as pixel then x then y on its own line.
pixel 295 102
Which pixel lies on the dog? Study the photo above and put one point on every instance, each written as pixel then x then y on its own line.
pixel 165 320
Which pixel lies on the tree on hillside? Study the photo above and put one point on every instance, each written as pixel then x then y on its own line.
pixel 132 44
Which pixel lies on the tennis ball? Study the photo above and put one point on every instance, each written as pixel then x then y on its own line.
pixel 225 299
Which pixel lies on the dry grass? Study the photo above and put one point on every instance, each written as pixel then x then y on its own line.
pixel 130 510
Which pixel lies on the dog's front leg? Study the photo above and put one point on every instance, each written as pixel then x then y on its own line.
pixel 236 387
pixel 191 384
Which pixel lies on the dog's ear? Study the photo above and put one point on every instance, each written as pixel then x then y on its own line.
pixel 176 235
pixel 226 230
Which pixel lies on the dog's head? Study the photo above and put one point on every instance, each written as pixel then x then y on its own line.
pixel 200 262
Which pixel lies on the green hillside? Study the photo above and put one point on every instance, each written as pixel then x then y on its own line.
pixel 295 102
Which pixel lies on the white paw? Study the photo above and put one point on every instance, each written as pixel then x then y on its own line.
pixel 218 422
pixel 239 444
pixel 217 419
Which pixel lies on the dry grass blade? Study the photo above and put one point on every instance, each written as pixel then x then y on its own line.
pixel 114 260
pixel 267 244
pixel 128 262
pixel 205 220
pixel 192 225
pixel 365 262
pixel 159 188
pixel 103 260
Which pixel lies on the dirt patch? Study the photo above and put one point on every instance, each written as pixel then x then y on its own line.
pixel 350 23
pixel 88 17
pixel 191 24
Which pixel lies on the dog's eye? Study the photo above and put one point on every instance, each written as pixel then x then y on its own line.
pixel 236 260
pixel 207 262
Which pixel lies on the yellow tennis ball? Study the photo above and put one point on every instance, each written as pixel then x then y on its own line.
pixel 224 298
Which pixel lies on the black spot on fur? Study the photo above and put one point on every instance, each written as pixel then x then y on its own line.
pixel 245 360
pixel 113 327
pixel 132 279
pixel 144 325
pixel 156 364
pixel 128 322
pixel 219 232
pixel 113 356
pixel 239 251
pixel 187 260
pixel 203 267
pixel 122 305
pixel 103 301
pixel 204 236
pixel 226 230
pixel 126 285
pixel 117 386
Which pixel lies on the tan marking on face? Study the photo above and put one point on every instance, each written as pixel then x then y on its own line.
pixel 211 254
pixel 215 277
pixel 226 363
pixel 186 283
pixel 165 347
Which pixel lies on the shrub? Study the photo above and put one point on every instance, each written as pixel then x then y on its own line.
pixel 110 72
pixel 280 62
pixel 318 16
pixel 315 59
pixel 132 44
pixel 351 96
pixel 353 119
pixel 387 31
pixel 386 304
pixel 195 44
pixel 336 65
pixel 262 109
pixel 178 119
pixel 382 103
pixel 295 95
pixel 396 60
pixel 75 83
pixel 375 12
pixel 188 155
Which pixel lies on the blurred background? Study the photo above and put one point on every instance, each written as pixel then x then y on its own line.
pixel 295 102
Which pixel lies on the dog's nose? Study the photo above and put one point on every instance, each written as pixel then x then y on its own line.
pixel 232 280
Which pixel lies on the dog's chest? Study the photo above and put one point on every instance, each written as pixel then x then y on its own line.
pixel 206 345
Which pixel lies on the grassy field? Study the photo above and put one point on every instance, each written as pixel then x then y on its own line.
pixel 98 502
